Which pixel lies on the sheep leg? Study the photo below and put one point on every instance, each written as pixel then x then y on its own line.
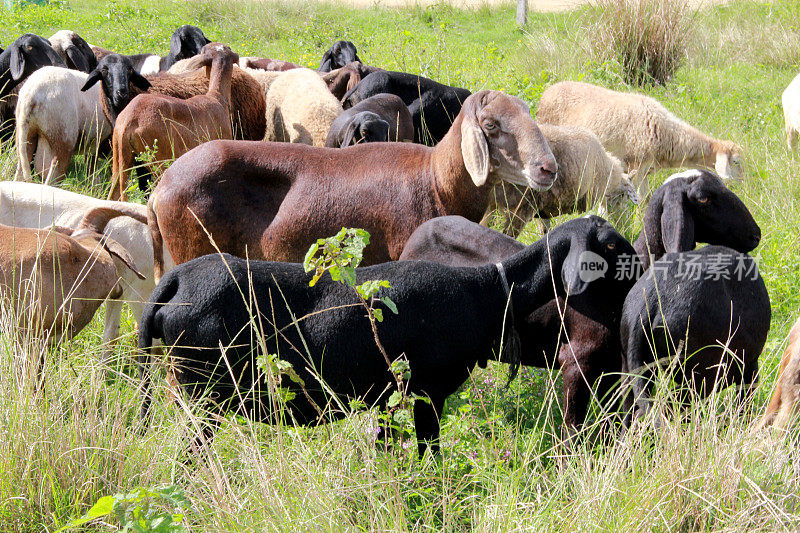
pixel 639 354
pixel 122 161
pixel 746 385
pixel 426 421
pixel 110 330
pixel 26 152
pixel 791 138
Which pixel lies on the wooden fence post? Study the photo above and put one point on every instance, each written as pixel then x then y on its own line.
pixel 522 12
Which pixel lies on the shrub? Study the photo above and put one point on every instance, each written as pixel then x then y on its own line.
pixel 646 37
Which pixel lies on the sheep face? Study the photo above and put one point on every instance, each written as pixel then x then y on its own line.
pixel 75 51
pixel 29 53
pixel 366 127
pixel 338 55
pixel 186 42
pixel 729 164
pixel 116 73
pixel 698 207
pixel 500 141
pixel 596 252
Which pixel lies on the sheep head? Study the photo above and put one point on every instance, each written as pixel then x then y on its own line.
pixel 74 50
pixel 187 41
pixel 212 51
pixel 365 127
pixel 338 55
pixel 26 55
pixel 500 141
pixel 696 206
pixel 728 163
pixel 116 74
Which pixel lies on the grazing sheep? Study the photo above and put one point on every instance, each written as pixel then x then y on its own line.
pixel 272 200
pixel 704 314
pixel 22 57
pixel 691 301
pixel 433 106
pixel 31 205
pixel 263 63
pixel 588 346
pixel 638 130
pixel 186 41
pixel 300 108
pixel 75 52
pixel 338 55
pixel 791 111
pixel 586 174
pixel 380 118
pixel 120 83
pixel 57 278
pixel 450 318
pixel 171 126
pixel 786 397
pixel 55 120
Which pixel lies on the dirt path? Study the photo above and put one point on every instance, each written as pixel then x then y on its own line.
pixel 533 5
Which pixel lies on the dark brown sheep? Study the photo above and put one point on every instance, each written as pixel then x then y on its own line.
pixel 273 200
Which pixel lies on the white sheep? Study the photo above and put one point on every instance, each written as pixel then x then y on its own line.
pixel 587 175
pixel 55 120
pixel 638 130
pixel 791 111
pixel 76 53
pixel 31 205
pixel 300 108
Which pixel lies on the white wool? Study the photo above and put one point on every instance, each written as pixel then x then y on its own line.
pixel 151 65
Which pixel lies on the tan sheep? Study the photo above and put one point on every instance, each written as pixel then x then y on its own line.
pixel 790 100
pixel 300 108
pixel 786 397
pixel 587 175
pixel 638 130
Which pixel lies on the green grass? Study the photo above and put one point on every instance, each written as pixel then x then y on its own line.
pixel 502 468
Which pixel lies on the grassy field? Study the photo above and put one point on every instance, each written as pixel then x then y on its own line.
pixel 77 438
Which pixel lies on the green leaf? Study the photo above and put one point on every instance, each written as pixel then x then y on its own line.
pixel 395 399
pixel 103 507
pixel 390 304
pixel 378 314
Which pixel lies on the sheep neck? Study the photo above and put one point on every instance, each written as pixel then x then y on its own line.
pixel 692 146
pixel 456 192
pixel 219 77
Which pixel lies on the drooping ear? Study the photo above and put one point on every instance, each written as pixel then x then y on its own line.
pixel 139 81
pixel 175 45
pixel 77 58
pixel 349 133
pixel 17 63
pixel 326 61
pixel 474 150
pixel 677 225
pixel 116 249
pixel 571 268
pixel 93 78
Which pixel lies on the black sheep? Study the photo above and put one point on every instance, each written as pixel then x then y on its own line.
pixel 338 55
pixel 450 318
pixel 380 118
pixel 690 207
pixel 709 308
pixel 433 106
pixel 588 345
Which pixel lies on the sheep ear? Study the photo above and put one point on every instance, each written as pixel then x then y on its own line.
pixel 349 133
pixel 77 58
pixel 677 226
pixel 326 60
pixel 93 78
pixel 17 63
pixel 571 269
pixel 116 249
pixel 139 81
pixel 475 151
pixel 175 45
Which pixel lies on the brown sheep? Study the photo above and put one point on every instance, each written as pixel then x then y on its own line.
pixel 57 278
pixel 171 126
pixel 787 391
pixel 273 200
pixel 121 83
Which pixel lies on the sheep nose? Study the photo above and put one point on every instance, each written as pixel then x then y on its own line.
pixel 548 167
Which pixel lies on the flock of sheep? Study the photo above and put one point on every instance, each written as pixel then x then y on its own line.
pixel 269 157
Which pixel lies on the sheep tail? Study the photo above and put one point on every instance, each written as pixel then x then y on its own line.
pixel 148 331
pixel 155 236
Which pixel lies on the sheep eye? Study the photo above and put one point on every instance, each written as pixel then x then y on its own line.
pixel 611 245
pixel 489 125
pixel 703 199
